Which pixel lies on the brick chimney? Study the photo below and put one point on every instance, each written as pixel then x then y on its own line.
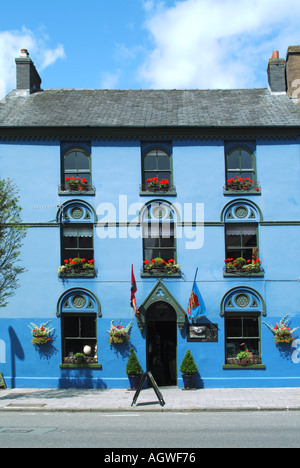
pixel 276 74
pixel 292 69
pixel 27 75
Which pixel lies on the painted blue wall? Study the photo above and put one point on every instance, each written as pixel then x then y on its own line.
pixel 199 178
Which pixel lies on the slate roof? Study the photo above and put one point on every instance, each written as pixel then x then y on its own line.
pixel 148 108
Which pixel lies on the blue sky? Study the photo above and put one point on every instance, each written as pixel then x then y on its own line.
pixel 138 44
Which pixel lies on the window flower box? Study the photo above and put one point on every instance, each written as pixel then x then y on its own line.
pixel 77 185
pixel 154 185
pixel 160 267
pixel 242 267
pixel 77 267
pixel 78 358
pixel 240 184
pixel 246 361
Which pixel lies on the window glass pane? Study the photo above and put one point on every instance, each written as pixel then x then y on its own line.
pixel 246 160
pixel 245 174
pixel 150 162
pixel 232 348
pixel 71 327
pixel 234 327
pixel 233 253
pixel 70 161
pixel 82 161
pixel 88 326
pixel 167 254
pixel 251 326
pixel 233 235
pixel 249 236
pixel 70 242
pixel 84 174
pixel 163 175
pixel 85 242
pixel 164 162
pixel 233 160
pixel 252 346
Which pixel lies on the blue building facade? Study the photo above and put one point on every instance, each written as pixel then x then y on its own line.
pixel 230 165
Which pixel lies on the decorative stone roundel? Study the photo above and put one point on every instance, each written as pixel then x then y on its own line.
pixel 242 300
pixel 241 212
pixel 78 301
pixel 77 212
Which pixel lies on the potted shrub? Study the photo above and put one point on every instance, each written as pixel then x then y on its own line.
pixel 133 370
pixel 188 369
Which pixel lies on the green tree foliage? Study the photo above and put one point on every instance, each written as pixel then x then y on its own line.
pixel 11 235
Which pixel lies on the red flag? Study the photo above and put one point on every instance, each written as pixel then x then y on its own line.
pixel 133 290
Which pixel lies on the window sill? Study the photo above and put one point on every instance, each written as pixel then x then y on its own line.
pixel 238 274
pixel 160 274
pixel 89 274
pixel 150 193
pixel 235 366
pixel 242 192
pixel 80 366
pixel 76 192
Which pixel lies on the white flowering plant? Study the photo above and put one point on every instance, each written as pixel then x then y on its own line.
pixel 41 334
pixel 119 334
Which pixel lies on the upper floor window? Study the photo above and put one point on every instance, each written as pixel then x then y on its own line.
pixel 240 166
pixel 77 246
pixel 159 239
pixel 241 239
pixel 76 170
pixel 157 171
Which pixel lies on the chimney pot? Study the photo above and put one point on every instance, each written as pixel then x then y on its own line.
pixel 24 53
pixel 275 54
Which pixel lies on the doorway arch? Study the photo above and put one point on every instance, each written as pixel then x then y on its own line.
pixel 161 343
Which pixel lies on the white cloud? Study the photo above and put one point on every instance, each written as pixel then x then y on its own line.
pixel 110 80
pixel 11 42
pixel 219 44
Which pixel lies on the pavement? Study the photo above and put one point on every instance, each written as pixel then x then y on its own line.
pixel 171 399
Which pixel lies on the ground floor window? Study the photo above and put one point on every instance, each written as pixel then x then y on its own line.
pixel 79 334
pixel 242 333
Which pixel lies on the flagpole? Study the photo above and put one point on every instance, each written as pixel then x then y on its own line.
pixel 196 274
